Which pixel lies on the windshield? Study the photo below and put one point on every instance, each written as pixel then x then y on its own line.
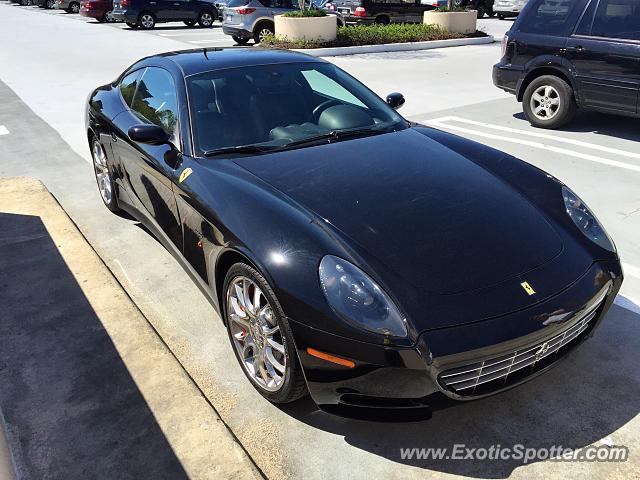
pixel 271 106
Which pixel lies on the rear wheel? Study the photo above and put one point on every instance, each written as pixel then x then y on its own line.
pixel 104 179
pixel 146 21
pixel 240 41
pixel 383 20
pixel 108 17
pixel 50 4
pixel 262 31
pixel 205 19
pixel 548 102
pixel 261 336
pixel 74 7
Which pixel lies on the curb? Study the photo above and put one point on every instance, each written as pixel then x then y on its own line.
pixel 393 47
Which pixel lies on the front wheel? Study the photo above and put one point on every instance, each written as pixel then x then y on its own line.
pixel 240 40
pixel 50 4
pixel 261 336
pixel 74 7
pixel 108 17
pixel 263 31
pixel 104 179
pixel 205 19
pixel 548 102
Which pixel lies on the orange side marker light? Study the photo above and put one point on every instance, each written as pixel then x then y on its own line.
pixel 331 358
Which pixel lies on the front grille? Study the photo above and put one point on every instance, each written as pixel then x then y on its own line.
pixel 496 373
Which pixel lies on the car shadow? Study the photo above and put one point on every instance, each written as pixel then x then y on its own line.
pixel 177 27
pixel 587 397
pixel 625 128
pixel 71 406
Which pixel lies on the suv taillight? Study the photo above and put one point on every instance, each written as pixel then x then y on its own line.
pixel 330 6
pixel 124 3
pixel 245 10
pixel 505 42
pixel 360 12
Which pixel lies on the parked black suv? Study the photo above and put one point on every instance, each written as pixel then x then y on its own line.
pixel 564 54
pixel 146 13
pixel 364 12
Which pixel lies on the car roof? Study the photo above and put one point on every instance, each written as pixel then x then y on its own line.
pixel 200 60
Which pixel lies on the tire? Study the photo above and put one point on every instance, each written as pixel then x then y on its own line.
pixel 501 16
pixel 106 185
pixel 481 11
pixel 239 40
pixel 262 30
pixel 248 332
pixel 50 4
pixel 548 102
pixel 132 25
pixel 107 17
pixel 382 20
pixel 189 23
pixel 74 7
pixel 206 18
pixel 146 21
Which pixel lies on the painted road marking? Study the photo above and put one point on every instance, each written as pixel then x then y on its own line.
pixel 628 303
pixel 631 270
pixel 543 146
pixel 578 143
pixel 210 41
pixel 3 130
pixel 182 34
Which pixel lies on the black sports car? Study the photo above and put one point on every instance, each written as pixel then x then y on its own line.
pixel 378 264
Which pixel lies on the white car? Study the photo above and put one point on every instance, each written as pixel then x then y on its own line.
pixel 508 8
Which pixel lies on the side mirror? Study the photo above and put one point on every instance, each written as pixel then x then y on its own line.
pixel 149 134
pixel 395 100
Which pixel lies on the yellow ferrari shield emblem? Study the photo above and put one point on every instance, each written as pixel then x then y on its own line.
pixel 527 288
pixel 185 173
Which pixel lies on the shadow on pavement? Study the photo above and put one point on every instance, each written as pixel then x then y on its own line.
pixel 68 398
pixel 587 397
pixel 625 128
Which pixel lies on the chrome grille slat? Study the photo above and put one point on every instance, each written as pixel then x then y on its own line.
pixel 465 379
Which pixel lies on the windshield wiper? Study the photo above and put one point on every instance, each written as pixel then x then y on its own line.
pixel 339 134
pixel 239 149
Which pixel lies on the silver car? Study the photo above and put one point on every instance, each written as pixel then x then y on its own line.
pixel 247 20
pixel 508 8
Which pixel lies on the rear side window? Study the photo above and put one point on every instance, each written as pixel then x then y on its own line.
pixel 128 86
pixel 155 100
pixel 550 17
pixel 617 19
pixel 239 3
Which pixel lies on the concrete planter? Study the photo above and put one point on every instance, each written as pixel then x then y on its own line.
pixel 322 29
pixel 455 22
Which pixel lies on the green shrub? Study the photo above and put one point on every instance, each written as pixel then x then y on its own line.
pixel 305 13
pixel 369 35
pixel 453 9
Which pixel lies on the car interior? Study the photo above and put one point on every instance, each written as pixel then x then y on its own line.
pixel 285 108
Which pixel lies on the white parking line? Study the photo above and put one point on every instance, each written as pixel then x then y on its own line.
pixel 198 42
pixel 631 270
pixel 182 34
pixel 555 138
pixel 628 303
pixel 438 123
pixel 3 130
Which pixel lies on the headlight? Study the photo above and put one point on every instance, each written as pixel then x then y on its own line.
pixel 585 220
pixel 359 300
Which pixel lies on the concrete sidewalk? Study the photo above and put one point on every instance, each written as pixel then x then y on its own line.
pixel 88 390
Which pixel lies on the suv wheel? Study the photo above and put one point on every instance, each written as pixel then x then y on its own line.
pixel 383 20
pixel 74 7
pixel 240 40
pixel 50 4
pixel 262 31
pixel 108 17
pixel 548 102
pixel 146 21
pixel 205 19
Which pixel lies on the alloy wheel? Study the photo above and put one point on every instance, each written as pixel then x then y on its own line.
pixel 264 32
pixel 50 4
pixel 206 20
pixel 256 334
pixel 102 172
pixel 147 21
pixel 75 7
pixel 545 102
pixel 108 16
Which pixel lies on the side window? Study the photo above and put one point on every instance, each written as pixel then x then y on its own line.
pixel 128 86
pixel 279 3
pixel 155 100
pixel 323 85
pixel 584 28
pixel 617 19
pixel 550 17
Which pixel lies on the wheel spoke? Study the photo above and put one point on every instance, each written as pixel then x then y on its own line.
pixel 539 109
pixel 555 101
pixel 243 322
pixel 270 332
pixel 273 344
pixel 240 300
pixel 548 91
pixel 537 97
pixel 269 357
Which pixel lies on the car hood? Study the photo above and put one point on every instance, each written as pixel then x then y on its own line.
pixel 432 216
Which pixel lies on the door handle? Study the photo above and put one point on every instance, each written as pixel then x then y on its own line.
pixel 576 49
pixel 113 137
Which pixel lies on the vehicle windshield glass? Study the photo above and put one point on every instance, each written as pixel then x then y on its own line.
pixel 274 105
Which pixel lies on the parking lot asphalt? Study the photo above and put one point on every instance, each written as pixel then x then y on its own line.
pixel 589 399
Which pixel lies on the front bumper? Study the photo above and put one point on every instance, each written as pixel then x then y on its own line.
pixel 390 383
pixel 124 16
pixel 237 32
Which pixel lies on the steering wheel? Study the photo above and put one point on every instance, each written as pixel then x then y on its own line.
pixel 322 107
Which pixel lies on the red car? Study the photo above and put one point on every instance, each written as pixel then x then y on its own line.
pixel 98 9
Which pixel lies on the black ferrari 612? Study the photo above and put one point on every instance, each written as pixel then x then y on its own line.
pixel 375 263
